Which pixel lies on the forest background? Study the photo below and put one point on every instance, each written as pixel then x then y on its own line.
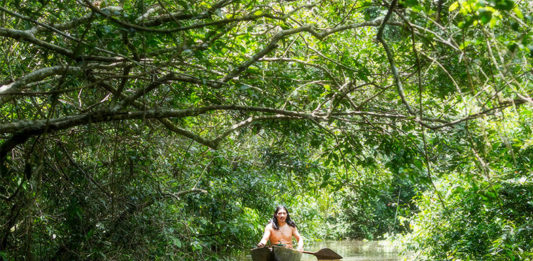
pixel 170 129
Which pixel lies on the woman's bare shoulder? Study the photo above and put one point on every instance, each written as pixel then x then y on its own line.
pixel 269 226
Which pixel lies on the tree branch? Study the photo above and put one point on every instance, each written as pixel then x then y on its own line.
pixel 37 126
pixel 177 195
pixel 27 36
pixel 390 57
pixel 168 17
pixel 35 76
pixel 172 30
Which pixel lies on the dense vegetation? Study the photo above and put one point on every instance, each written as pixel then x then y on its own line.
pixel 159 129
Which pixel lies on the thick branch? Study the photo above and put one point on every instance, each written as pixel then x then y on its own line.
pixel 27 36
pixel 172 30
pixel 271 46
pixel 40 74
pixel 51 28
pixel 36 76
pixel 38 126
pixel 167 123
pixel 168 17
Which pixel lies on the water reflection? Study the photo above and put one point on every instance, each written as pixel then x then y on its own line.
pixel 351 250
pixel 358 250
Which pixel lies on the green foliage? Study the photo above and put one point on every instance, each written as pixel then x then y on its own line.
pixel 480 220
pixel 486 210
pixel 370 208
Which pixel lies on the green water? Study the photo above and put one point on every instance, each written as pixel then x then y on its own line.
pixel 350 250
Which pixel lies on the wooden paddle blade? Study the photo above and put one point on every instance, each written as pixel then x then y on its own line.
pixel 326 254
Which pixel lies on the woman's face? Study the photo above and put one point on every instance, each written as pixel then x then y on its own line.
pixel 281 215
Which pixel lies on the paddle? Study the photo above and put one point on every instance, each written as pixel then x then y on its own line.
pixel 325 254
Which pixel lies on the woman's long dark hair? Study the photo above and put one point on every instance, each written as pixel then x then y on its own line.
pixel 288 220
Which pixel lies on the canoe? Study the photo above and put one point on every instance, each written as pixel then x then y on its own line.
pixel 275 254
pixel 286 254
pixel 262 254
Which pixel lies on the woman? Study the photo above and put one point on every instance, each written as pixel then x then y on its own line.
pixel 281 229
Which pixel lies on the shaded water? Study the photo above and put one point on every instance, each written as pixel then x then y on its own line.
pixel 351 250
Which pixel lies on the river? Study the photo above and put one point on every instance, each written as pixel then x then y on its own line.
pixel 351 250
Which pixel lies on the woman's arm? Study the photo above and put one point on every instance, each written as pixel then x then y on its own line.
pixel 266 236
pixel 299 239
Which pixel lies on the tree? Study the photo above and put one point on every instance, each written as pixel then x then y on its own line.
pixel 101 79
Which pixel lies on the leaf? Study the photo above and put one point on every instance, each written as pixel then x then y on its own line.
pixel 506 5
pixel 411 3
pixel 176 242
pixel 453 6
pixel 485 15
pixel 325 180
pixel 518 13
pixel 466 23
pixel 512 47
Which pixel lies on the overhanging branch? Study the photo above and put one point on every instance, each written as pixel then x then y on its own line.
pixel 390 57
